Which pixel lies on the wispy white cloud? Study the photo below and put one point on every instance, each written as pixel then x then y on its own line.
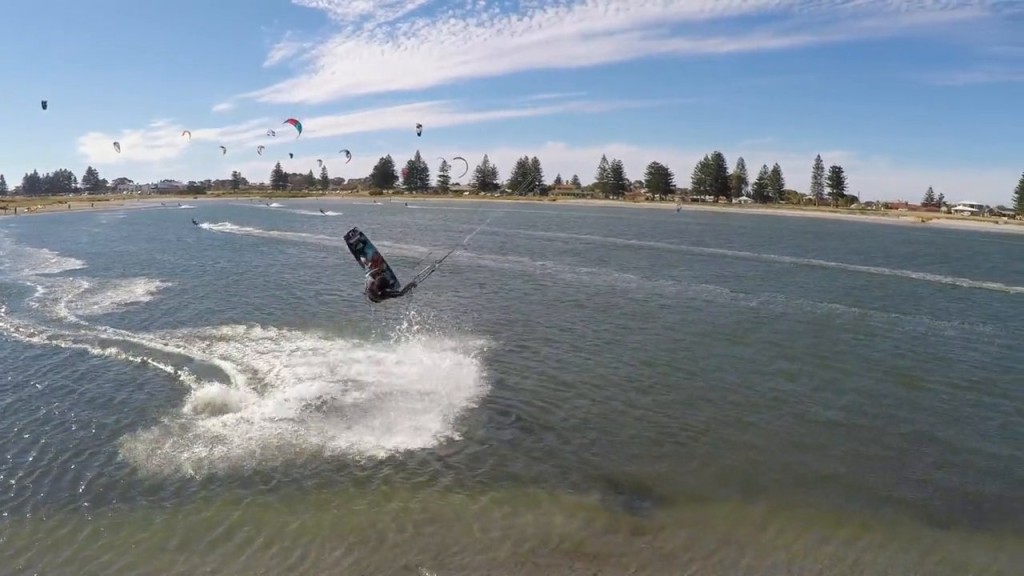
pixel 367 11
pixel 162 140
pixel 986 74
pixel 383 46
pixel 224 106
pixel 286 49
pixel 441 114
pixel 554 96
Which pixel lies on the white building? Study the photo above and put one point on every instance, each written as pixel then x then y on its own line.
pixel 968 208
pixel 163 187
pixel 128 188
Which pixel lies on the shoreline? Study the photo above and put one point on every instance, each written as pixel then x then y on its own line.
pixel 49 205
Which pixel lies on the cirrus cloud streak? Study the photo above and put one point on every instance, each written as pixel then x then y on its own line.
pixel 377 51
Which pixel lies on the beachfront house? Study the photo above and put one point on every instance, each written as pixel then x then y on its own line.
pixel 1003 212
pixel 568 191
pixel 463 189
pixel 969 208
pixel 124 185
pixel 163 187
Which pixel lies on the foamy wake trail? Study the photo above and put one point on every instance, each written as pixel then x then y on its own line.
pixel 106 296
pixel 283 208
pixel 229 228
pixel 281 395
pixel 879 270
pixel 315 212
pixel 393 248
pixel 70 298
pixel 21 261
pixel 311 396
pixel 186 207
pixel 311 212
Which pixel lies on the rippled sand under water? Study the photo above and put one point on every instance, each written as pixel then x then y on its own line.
pixel 517 531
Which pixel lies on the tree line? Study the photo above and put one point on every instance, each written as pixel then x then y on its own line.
pixel 711 178
pixel 281 180
pixel 1018 197
pixel 63 182
pixel 57 183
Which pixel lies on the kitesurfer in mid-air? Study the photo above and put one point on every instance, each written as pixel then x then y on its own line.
pixel 381 282
pixel 378 289
pixel 379 286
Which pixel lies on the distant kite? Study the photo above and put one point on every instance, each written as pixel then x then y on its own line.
pixel 271 133
pixel 117 147
pixel 348 155
pixel 290 155
pixel 44 104
pixel 259 150
pixel 466 163
pixel 296 124
pixel 419 129
pixel 187 133
pixel 223 150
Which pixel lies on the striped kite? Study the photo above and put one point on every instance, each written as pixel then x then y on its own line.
pixel 296 124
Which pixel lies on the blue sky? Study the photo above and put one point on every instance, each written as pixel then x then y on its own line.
pixel 904 95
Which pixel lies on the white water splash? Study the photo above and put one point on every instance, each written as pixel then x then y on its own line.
pixel 285 394
pixel 311 395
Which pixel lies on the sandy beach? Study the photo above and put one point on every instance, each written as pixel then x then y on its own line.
pixel 21 206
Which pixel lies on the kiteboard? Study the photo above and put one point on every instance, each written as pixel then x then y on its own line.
pixel 368 257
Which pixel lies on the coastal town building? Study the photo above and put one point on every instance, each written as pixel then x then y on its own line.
pixel 969 208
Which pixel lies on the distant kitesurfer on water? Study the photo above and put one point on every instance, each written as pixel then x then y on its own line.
pixel 322 212
pixel 194 223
